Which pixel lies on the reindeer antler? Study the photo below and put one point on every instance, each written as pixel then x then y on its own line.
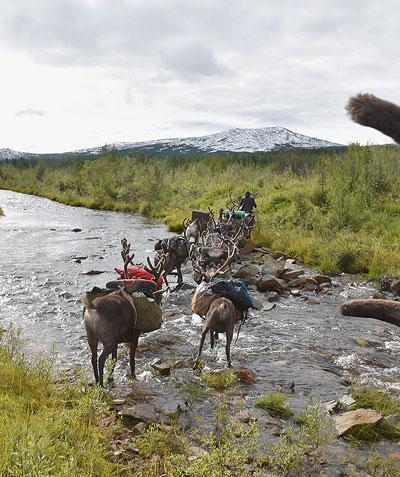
pixel 125 256
pixel 157 271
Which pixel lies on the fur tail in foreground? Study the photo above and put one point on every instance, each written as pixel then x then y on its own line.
pixel 368 110
pixel 384 310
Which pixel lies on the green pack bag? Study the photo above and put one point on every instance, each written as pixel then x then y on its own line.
pixel 149 314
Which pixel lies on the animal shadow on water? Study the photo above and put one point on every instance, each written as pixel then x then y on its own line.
pixel 221 317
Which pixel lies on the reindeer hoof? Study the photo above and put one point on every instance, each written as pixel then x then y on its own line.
pixel 195 366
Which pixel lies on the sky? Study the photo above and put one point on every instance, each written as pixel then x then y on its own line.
pixel 82 73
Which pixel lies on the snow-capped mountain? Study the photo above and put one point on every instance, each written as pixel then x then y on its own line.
pixel 6 153
pixel 232 140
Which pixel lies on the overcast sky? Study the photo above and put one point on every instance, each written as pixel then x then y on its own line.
pixel 79 73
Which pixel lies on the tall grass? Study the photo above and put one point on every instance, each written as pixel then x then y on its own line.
pixel 48 429
pixel 336 210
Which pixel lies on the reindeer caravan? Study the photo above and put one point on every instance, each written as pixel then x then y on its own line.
pixel 131 304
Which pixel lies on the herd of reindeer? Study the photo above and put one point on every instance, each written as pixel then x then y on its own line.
pixel 212 246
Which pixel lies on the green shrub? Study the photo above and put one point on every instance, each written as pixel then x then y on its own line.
pixel 275 402
pixel 219 380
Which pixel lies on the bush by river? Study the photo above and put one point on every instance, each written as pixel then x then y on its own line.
pixel 337 210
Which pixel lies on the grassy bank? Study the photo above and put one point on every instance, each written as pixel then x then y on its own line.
pixel 48 429
pixel 336 210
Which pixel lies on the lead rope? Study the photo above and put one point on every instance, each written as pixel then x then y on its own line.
pixel 242 321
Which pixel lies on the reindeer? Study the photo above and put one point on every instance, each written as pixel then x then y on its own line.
pixel 222 314
pixel 112 319
pixel 192 230
pixel 221 317
pixel 174 253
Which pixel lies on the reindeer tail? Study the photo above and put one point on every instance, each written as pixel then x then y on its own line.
pixel 368 110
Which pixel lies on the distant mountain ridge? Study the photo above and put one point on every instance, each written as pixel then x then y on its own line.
pixel 233 141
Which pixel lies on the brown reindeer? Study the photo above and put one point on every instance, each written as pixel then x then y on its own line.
pixel 174 252
pixel 112 319
pixel 222 315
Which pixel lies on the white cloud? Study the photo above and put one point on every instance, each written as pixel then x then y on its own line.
pixel 87 72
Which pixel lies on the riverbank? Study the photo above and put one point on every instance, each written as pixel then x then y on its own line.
pixel 302 348
pixel 337 211
pixel 61 426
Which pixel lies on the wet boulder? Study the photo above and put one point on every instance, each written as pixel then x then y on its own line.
pixel 289 274
pixel 272 267
pixel 269 283
pixel 272 296
pixel 322 279
pixel 360 417
pixel 139 412
pixel 301 282
pixel 247 271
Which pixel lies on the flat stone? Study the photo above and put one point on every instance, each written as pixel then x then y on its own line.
pixel 272 296
pixel 172 407
pixel 292 274
pixel 93 272
pixel 350 419
pixel 313 300
pixel 269 283
pixel 163 368
pixel 195 453
pixel 322 279
pixel 118 402
pixel 301 281
pixel 247 271
pixel 246 375
pixel 140 412
pixel 296 292
pixel 272 267
pixel 244 416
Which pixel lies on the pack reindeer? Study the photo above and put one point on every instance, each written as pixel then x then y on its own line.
pixel 173 253
pixel 222 315
pixel 112 319
pixel 193 230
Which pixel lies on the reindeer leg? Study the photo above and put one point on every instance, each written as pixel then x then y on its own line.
pixel 212 338
pixel 229 336
pixel 132 352
pixel 165 279
pixel 180 278
pixel 93 343
pixel 203 337
pixel 114 362
pixel 107 350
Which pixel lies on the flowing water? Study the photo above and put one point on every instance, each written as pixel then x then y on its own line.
pixel 42 270
pixel 42 277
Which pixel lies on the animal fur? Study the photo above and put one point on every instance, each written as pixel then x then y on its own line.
pixel 384 310
pixel 368 110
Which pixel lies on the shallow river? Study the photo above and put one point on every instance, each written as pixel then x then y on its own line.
pixel 42 281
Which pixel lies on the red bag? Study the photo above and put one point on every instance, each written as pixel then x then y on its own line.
pixel 140 272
